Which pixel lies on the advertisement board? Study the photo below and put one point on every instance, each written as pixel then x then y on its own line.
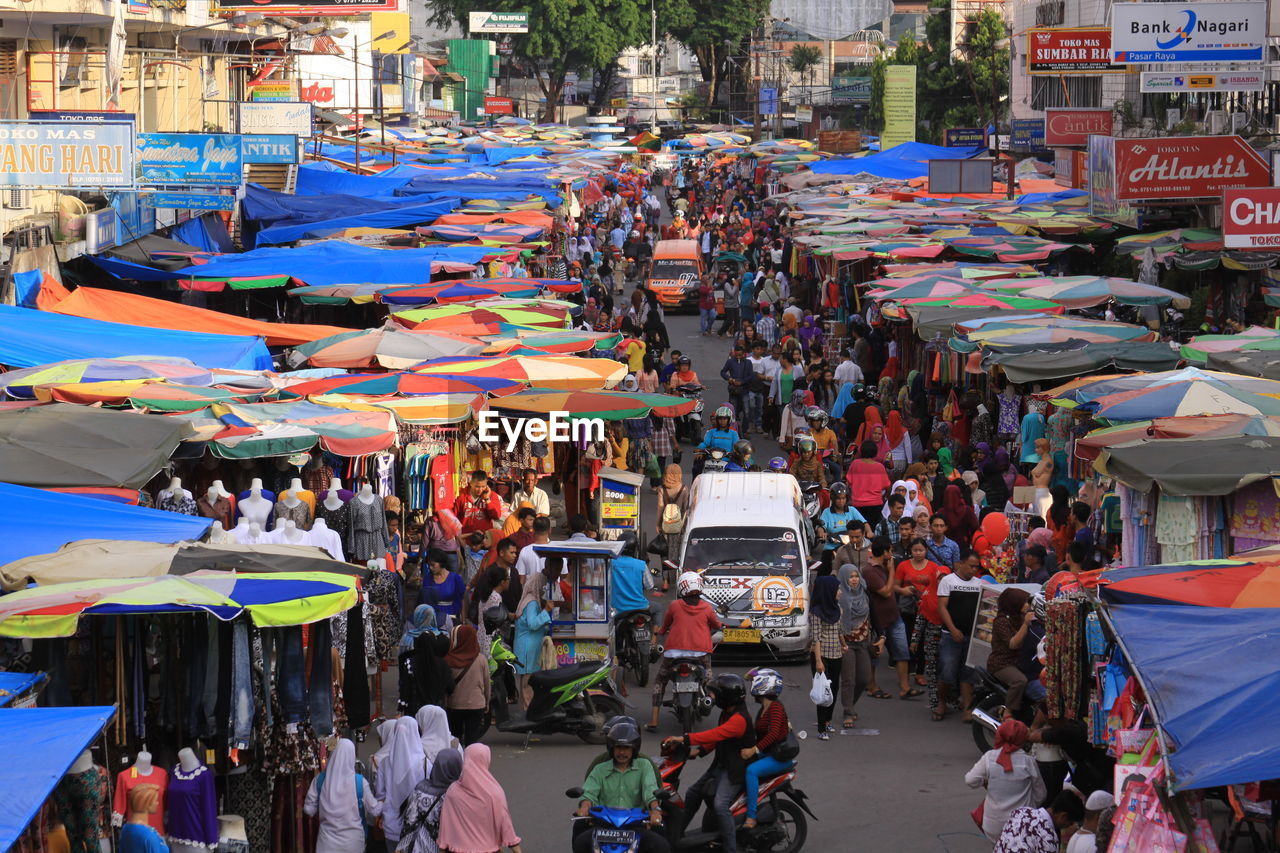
pixel 80 116
pixel 204 159
pixel 291 117
pixel 340 8
pixel 1177 168
pixel 1071 126
pixel 1207 81
pixel 274 90
pixel 964 137
pixel 190 201
pixel 1103 202
pixel 498 22
pixel 1067 50
pixel 769 101
pixel 846 89
pixel 804 114
pixel 278 148
pixel 499 106
pixel 1219 31
pixel 1251 218
pixel 1028 134
pixel 63 154
pixel 899 106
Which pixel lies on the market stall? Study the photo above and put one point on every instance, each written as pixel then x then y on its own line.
pixel 581 628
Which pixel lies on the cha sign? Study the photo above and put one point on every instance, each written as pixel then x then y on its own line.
pixel 1223 31
pixel 498 22
pixel 1251 218
pixel 1185 167
pixel 1070 126
pixel 202 159
pixel 1208 81
pixel 64 154
pixel 1070 50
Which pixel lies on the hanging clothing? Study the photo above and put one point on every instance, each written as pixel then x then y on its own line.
pixel 1032 430
pixel 82 800
pixel 219 510
pixel 192 804
pixel 179 501
pixel 367 536
pixel 300 515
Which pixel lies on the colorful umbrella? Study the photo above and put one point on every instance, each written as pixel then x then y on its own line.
pixel 566 373
pixel 458 290
pixel 989 300
pixel 22 383
pixel 1084 291
pixel 1218 583
pixel 405 384
pixel 1014 331
pixel 427 409
pixel 1092 388
pixel 1252 338
pixel 441 317
pixel 555 343
pixel 384 347
pixel 605 405
pixel 1092 445
pixel 1178 399
pixel 275 600
pixel 931 287
pixel 254 430
pixel 339 294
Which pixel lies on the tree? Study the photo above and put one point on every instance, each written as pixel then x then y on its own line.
pixel 988 64
pixel 564 35
pixel 803 59
pixel 714 30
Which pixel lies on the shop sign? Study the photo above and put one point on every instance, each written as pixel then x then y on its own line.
pixel 64 154
pixel 498 22
pixel 1208 81
pixel 804 114
pixel 1028 134
pixel 1067 50
pixel 291 117
pixel 1185 167
pixel 499 106
pixel 86 116
pixel 1220 31
pixel 847 89
pixel 899 106
pixel 1103 200
pixel 1070 126
pixel 1063 167
pixel 1251 218
pixel 191 158
pixel 839 141
pixel 274 90
pixel 964 137
pixel 276 148
pixel 768 100
pixel 336 8
pixel 190 201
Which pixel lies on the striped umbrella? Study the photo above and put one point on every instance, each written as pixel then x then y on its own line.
pixel 605 405
pixel 1180 399
pixel 1094 387
pixel 555 343
pixel 458 290
pixel 558 372
pixel 22 383
pixel 989 300
pixel 442 317
pixel 1251 579
pixel 403 383
pixel 1085 291
pixel 426 409
pixel 384 347
pixel 339 294
pixel 1031 329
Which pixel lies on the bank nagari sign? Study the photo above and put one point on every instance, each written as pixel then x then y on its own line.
pixel 1221 31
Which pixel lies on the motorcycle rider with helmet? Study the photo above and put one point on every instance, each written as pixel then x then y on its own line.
pixel 721 436
pixel 629 578
pixel 826 441
pixel 778 465
pixel 740 458
pixel 719 786
pixel 808 468
pixel 683 374
pixel 622 783
pixel 688 625
pixel 772 728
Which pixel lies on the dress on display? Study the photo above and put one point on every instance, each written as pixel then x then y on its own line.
pixel 179 502
pixel 300 515
pixel 130 778
pixel 338 519
pixel 193 809
pixel 367 537
pixel 328 539
pixel 219 510
pixel 82 799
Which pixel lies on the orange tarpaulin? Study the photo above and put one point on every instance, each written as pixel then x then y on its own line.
pixel 96 304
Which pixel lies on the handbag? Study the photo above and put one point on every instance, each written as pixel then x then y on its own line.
pixel 786 749
pixel 658 545
pixel 978 813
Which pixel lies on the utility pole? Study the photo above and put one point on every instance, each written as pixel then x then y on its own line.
pixel 755 89
pixel 653 40
pixel 355 83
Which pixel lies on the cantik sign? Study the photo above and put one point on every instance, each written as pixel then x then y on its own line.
pixel 1251 218
pixel 1185 167
pixel 1067 126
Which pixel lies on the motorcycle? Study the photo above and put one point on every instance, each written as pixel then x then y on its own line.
pixel 711 461
pixel 689 698
pixel 988 709
pixel 781 826
pixel 813 498
pixel 613 830
pixel 690 425
pixel 634 635
pixel 576 699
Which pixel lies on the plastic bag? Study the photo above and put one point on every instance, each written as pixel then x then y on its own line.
pixel 820 693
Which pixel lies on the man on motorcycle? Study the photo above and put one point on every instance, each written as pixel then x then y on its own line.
pixel 719 786
pixel 688 625
pixel 722 435
pixel 622 783
pixel 629 578
pixel 683 374
pixel 740 458
pixel 826 440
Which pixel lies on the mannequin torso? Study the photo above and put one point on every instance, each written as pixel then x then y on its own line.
pixel 256 507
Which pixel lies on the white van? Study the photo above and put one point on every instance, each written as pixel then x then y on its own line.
pixel 746 534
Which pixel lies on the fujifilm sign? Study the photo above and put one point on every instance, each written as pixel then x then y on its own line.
pixel 499 22
pixel 1232 31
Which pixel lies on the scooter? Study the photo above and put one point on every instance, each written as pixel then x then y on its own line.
pixel 690 425
pixel 689 698
pixel 711 461
pixel 634 633
pixel 812 496
pixel 612 830
pixel 781 826
pixel 575 699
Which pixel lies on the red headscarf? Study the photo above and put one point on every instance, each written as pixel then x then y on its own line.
pixel 1010 737
pixel 464 649
pixel 961 522
pixel 893 428
pixel 871 418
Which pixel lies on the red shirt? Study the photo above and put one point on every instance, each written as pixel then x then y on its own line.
pixel 924 581
pixel 734 727
pixel 867 481
pixel 475 515
pixel 688 628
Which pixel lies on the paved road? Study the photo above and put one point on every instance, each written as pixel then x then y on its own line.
pixel 897 784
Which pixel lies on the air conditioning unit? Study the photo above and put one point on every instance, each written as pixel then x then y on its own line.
pixel 16 199
pixel 1216 121
pixel 1239 121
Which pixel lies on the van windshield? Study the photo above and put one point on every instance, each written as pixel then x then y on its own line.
pixel 674 271
pixel 738 551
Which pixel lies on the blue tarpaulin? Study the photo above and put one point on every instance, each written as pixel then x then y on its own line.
pixel 31 338
pixel 901 162
pixel 335 262
pixel 39 746
pixel 129 270
pixel 1211 676
pixel 397 216
pixel 204 232
pixel 14 684
pixel 1047 198
pixel 27 285
pixel 39 522
pixel 328 179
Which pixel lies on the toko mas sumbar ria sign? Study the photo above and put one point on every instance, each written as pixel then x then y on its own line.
pixel 1251 218
pixel 1151 33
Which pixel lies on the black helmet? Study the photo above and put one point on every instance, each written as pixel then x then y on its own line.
pixel 629 543
pixel 729 690
pixel 495 617
pixel 622 733
pixel 742 448
pixel 683 360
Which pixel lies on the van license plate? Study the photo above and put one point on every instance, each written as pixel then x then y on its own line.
pixel 741 635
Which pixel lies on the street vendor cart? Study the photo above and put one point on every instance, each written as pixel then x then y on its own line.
pixel 580 623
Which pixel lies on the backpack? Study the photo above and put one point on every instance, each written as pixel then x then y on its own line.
pixel 359 797
pixel 672 517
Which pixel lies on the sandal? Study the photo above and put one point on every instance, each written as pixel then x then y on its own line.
pixel 911 693
pixel 938 716
pixel 850 722
pixel 878 694
pixel 650 727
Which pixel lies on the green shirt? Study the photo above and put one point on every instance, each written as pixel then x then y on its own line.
pixel 630 789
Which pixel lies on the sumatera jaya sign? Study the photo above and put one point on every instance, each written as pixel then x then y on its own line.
pixel 1185 167
pixel 1066 50
pixel 1251 218
pixel 1069 126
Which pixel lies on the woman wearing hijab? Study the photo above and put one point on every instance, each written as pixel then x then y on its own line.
pixel 475 817
pixel 344 802
pixel 468 704
pixel 386 736
pixel 902 490
pixel 433 727
pixel 423 675
pixel 855 629
pixel 871 418
pixel 1010 775
pixel 533 623
pixel 810 336
pixel 793 416
pixel 829 646
pixel 919 474
pixel 421 827
pixel 895 432
pixel 399 775
pixel 671 522
pixel 997 479
pixel 962 523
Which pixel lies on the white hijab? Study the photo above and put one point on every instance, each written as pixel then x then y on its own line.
pixel 401 773
pixel 337 800
pixel 912 494
pixel 386 732
pixel 433 726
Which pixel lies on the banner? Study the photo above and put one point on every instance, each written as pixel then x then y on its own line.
pixel 1178 168
pixel 337 8
pixel 1068 50
pixel 1251 218
pixel 850 89
pixel 804 114
pixel 274 90
pixel 64 154
pixel 498 22
pixel 964 137
pixel 1028 134
pixel 289 117
pixel 1070 126
pixel 190 201
pixel 191 158
pixel 769 101
pixel 1220 31
pixel 499 106
pixel 1103 202
pixel 270 148
pixel 899 106
pixel 1208 81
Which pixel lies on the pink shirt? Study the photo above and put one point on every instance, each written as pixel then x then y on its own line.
pixel 867 481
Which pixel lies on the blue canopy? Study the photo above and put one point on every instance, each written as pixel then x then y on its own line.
pixel 901 162
pixel 31 338
pixel 335 262
pixel 14 684
pixel 38 522
pixel 39 746
pixel 327 214
pixel 328 179
pixel 1211 675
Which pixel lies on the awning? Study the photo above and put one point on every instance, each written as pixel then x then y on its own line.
pixel 1055 362
pixel 39 746
pixel 1193 466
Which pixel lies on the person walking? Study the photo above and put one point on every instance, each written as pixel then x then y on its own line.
pixel 398 775
pixel 1009 774
pixel 474 817
pixel 344 802
pixel 827 651
pixel 855 631
pixel 468 704
pixel 706 307
pixel 533 623
pixel 421 830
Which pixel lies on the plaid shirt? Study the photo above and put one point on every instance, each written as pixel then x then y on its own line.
pixel 664 438
pixel 767 328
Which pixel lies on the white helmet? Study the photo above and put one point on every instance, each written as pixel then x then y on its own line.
pixel 688 584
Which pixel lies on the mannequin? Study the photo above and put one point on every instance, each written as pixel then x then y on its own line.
pixel 366 495
pixel 255 505
pixel 175 488
pixel 174 498
pixel 141 774
pixel 218 535
pixel 143 763
pixel 82 763
pixel 322 536
pixel 232 836
pixel 334 508
pixel 193 806
pixel 288 533
pixel 297 504
pixel 240 531
pixel 217 486
pixel 332 500
pixel 80 797
pixel 253 534
pixel 367 536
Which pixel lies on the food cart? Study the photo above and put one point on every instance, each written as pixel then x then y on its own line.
pixel 580 623
pixel 619 509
